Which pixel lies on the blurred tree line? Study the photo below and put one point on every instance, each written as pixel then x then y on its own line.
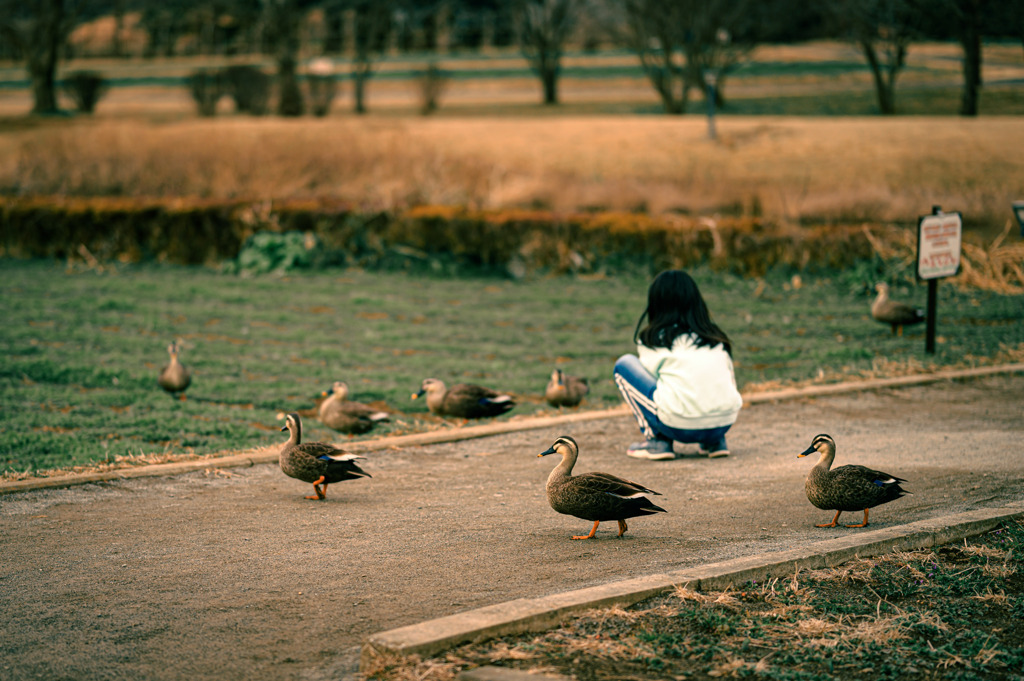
pixel 682 45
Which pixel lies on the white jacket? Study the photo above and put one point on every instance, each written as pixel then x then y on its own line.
pixel 696 385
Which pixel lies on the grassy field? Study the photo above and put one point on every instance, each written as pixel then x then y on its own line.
pixel 80 348
pixel 796 170
pixel 952 612
pixel 800 144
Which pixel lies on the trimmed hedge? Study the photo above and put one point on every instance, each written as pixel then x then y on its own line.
pixel 516 241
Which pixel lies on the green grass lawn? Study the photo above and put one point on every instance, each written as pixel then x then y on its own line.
pixel 80 351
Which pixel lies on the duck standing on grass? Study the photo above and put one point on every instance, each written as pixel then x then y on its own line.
pixel 463 400
pixel 316 462
pixel 894 313
pixel 594 496
pixel 341 414
pixel 564 390
pixel 847 488
pixel 174 378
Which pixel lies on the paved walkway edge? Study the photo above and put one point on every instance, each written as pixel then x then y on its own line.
pixel 538 614
pixel 454 434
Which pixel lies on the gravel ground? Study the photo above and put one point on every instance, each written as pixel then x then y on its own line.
pixel 233 575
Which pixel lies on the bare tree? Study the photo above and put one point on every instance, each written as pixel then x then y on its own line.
pixel 883 30
pixel 543 27
pixel 39 32
pixel 282 36
pixel 681 43
pixel 372 28
pixel 968 14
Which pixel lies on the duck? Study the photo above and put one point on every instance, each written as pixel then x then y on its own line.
pixel 564 390
pixel 317 463
pixel 594 496
pixel 463 400
pixel 847 488
pixel 175 377
pixel 894 313
pixel 341 414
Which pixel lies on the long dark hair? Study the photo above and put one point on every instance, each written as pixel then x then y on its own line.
pixel 675 307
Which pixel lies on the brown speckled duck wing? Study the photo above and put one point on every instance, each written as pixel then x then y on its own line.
pixel 302 463
pixel 858 487
pixel 577 387
pixel 470 401
pixel 342 420
pixel 620 485
pixel 358 409
pixel 893 312
pixel 607 497
pixel 319 449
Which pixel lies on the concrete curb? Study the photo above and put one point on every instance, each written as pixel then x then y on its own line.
pixel 269 454
pixel 538 614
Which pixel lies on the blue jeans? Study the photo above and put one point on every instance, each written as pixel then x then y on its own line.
pixel 637 387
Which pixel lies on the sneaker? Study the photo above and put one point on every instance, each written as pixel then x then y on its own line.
pixel 652 450
pixel 715 449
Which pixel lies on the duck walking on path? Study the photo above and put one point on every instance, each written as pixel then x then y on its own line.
pixel 463 400
pixel 317 463
pixel 847 488
pixel 174 378
pixel 564 390
pixel 345 416
pixel 594 496
pixel 891 312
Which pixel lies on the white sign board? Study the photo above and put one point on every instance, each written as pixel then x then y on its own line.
pixel 938 245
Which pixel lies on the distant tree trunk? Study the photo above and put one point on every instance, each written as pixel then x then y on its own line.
pixel 653 31
pixel 549 81
pixel 41 47
pixel 970 38
pixel 290 101
pixel 371 32
pixel 544 25
pixel 884 75
pixel 38 33
pixel 282 22
pixel 883 29
pixel 117 44
pixel 684 43
pixel 361 72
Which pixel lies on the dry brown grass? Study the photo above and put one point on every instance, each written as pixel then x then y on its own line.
pixel 798 170
pixel 902 612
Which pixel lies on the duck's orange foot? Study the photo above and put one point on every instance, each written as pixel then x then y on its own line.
pixel 863 524
pixel 320 494
pixel 593 531
pixel 833 523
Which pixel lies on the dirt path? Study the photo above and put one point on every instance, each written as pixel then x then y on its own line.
pixel 239 577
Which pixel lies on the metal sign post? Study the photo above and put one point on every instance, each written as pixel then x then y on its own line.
pixel 938 255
